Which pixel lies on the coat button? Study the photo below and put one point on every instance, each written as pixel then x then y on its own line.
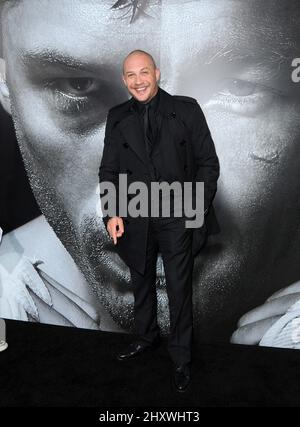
pixel 125 145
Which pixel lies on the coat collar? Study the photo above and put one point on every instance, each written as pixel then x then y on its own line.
pixel 165 106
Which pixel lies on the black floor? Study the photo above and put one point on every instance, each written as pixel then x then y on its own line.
pixel 55 366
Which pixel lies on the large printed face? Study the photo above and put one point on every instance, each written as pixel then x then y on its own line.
pixel 63 69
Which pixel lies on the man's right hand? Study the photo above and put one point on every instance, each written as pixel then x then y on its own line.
pixel 115 228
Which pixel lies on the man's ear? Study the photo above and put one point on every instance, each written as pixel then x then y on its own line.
pixel 4 92
pixel 157 74
pixel 124 80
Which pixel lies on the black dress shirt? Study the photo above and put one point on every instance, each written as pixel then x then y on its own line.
pixel 141 109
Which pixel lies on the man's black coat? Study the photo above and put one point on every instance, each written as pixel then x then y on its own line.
pixel 183 151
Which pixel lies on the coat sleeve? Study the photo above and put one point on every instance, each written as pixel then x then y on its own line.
pixel 109 167
pixel 206 159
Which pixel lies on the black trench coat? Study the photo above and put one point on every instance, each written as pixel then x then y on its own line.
pixel 183 151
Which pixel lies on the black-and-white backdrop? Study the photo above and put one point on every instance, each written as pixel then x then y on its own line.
pixel 60 73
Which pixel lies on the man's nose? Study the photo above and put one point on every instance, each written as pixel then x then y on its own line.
pixel 139 80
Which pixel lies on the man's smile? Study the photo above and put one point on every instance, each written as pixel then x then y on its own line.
pixel 142 90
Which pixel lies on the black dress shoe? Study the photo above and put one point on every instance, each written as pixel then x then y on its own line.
pixel 136 348
pixel 182 377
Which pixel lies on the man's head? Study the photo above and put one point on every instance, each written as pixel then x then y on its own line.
pixel 140 75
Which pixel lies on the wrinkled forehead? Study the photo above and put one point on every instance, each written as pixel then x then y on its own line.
pixel 108 18
pixel 106 30
pixel 274 13
pixel 260 29
pixel 83 26
pixel 115 15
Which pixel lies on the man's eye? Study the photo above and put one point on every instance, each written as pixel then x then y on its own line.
pixel 75 87
pixel 243 97
pixel 78 95
pixel 239 88
pixel 84 98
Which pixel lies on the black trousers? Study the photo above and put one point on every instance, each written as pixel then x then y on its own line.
pixel 169 237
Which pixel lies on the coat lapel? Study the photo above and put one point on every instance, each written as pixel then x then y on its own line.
pixel 132 131
pixel 164 113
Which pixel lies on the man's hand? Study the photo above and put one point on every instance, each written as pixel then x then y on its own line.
pixel 254 324
pixel 115 228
